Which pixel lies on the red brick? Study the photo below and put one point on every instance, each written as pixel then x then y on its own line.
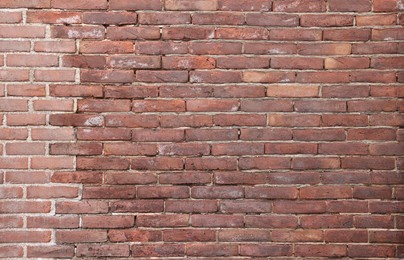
pixel 171 220
pixel 103 250
pixel 154 192
pixel 107 76
pixel 295 34
pixel 203 48
pixel 76 177
pixel 81 207
pixel 76 4
pixel 11 222
pixel 374 47
pixel 158 163
pixel 366 221
pixel 213 76
pixel 27 177
pixel 13 163
pixel 189 235
pixel 346 63
pixel 222 221
pixel 228 18
pixel 25 4
pixel 25 119
pixel 25 148
pixel 345 91
pixel 186 120
pixel 133 33
pixel 158 106
pixel 65 75
pixel 242 33
pixel 164 250
pixel 326 20
pixel 135 121
pixel 130 91
pixel 80 236
pixel 22 31
pixel 246 235
pixel 197 5
pixel 299 6
pixel 296 63
pixel 386 5
pixel 387 34
pixel 14 75
pixel 269 48
pixel 196 149
pixel 119 18
pixel 138 62
pixel 157 135
pixel 337 134
pixel 189 206
pixel 60 46
pixel 109 192
pixel 216 192
pixel 301 207
pixel 185 178
pixel 275 20
pixel 326 221
pixel 211 134
pixel 102 163
pixel 134 235
pixel 344 120
pixel 81 61
pixel 149 47
pixel 212 250
pixel 343 148
pixel 250 206
pixel 376 20
pixel 297 236
pixel 54 17
pixel 53 105
pixel 262 250
pixel 113 47
pixel 245 5
pixel 155 76
pixel 61 251
pixel 326 192
pixel 53 222
pixel 348 6
pixel 25 236
pixel 76 91
pixel 107 221
pixel 135 5
pixel 290 148
pixel 52 162
pixel 324 48
pixel 371 134
pixel 263 163
pixel 188 62
pixel 129 178
pixel 322 77
pixel 10 192
pixel 164 18
pixel 373 77
pixel 294 120
pixel 347 206
pixel 56 134
pixel 371 251
pixel 314 250
pixel 258 105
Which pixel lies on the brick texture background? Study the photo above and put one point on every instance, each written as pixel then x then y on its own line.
pixel 201 128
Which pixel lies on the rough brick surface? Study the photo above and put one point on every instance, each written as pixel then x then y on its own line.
pixel 201 129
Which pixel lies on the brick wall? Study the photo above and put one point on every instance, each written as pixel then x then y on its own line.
pixel 201 128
